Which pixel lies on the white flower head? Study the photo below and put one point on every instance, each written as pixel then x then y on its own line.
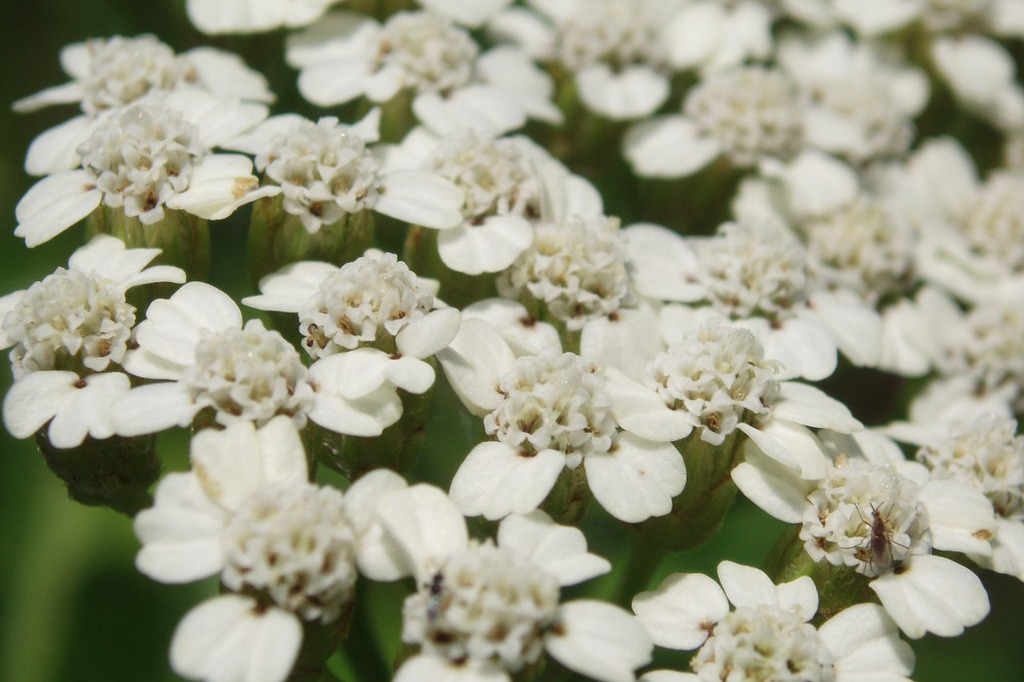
pixel 993 222
pixel 718 374
pixel 430 52
pixel 866 517
pixel 142 158
pixel 577 269
pixel 325 171
pixel 253 16
pixel 751 112
pixel 987 454
pixel 768 634
pixel 490 609
pixel 750 269
pixel 988 347
pixel 70 333
pixel 549 412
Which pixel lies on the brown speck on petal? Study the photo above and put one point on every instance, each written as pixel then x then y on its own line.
pixel 243 186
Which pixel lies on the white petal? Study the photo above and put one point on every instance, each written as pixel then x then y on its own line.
pixel 1007 549
pixel 668 147
pixel 368 416
pixel 181 533
pixel 289 289
pixel 34 398
pixel 351 375
pixel 54 204
pixel 638 479
pixel 932 594
pixel 485 109
pixel 818 184
pixel 746 586
pixel 220 184
pixel 429 334
pixel 771 486
pixel 378 557
pixel 641 411
pixel 599 640
pixel 231 639
pixel 65 93
pixel 857 328
pixel 227 463
pixel 334 82
pixel 495 480
pixel 87 410
pixel 524 334
pixel 470 13
pixel 805 349
pixel 804 404
pixel 491 246
pixel 425 525
pixel 791 445
pixel 559 550
pixel 800 596
pixel 865 642
pixel 665 265
pixel 54 151
pixel 630 92
pixel 960 518
pixel 474 363
pixel 282 458
pixel 420 198
pixel 628 340
pixel 153 408
pixel 224 73
pixel 681 612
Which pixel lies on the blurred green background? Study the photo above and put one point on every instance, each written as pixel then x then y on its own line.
pixel 72 607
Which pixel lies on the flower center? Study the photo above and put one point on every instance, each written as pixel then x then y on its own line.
pixel 324 170
pixel 753 269
pixel 751 112
pixel 69 321
pixel 993 347
pixel 764 644
pixel 867 517
pixel 483 604
pixel 864 248
pixel 141 158
pixel 366 302
pixel 886 131
pixel 495 175
pixel 995 224
pixel 717 373
pixel 249 374
pixel 554 402
pixel 295 544
pixel 986 454
pixel 947 15
pixel 431 53
pixel 122 70
pixel 617 32
pixel 577 268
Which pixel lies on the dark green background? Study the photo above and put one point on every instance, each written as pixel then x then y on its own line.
pixel 72 607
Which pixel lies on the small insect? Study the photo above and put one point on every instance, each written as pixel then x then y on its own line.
pixel 880 542
pixel 436 590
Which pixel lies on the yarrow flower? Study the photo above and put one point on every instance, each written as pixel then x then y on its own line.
pixel 547 413
pixel 490 610
pixel 883 520
pixel 326 170
pixel 140 162
pixel 767 635
pixel 70 334
pixel 285 549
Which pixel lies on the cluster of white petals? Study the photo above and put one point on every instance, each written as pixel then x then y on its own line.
pixel 866 517
pixel 578 270
pixel 251 374
pixel 295 544
pixel 718 374
pixel 483 604
pixel 429 52
pixel 69 320
pixel 616 32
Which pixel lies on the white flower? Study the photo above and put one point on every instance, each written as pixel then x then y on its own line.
pixel 484 610
pixel 253 16
pixel 454 87
pixel 986 454
pixel 113 73
pixel 142 161
pixel 861 102
pixel 286 549
pixel 326 171
pixel 508 184
pixel 756 275
pixel 745 114
pixel 196 343
pixel 768 634
pixel 617 51
pixel 70 332
pixel 882 520
pixel 548 413
pixel 714 36
pixel 576 269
